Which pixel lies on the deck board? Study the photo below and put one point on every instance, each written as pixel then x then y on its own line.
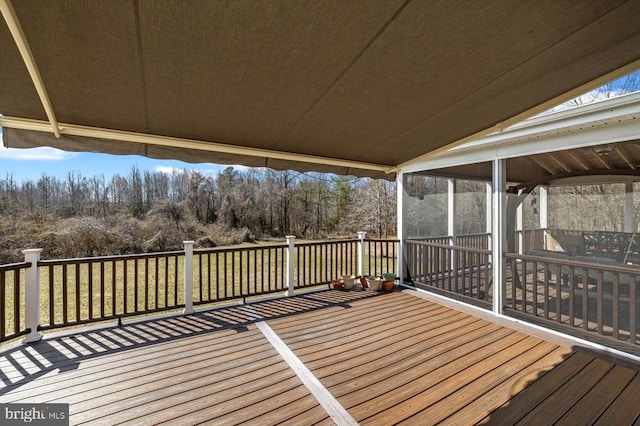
pixel 592 405
pixel 386 358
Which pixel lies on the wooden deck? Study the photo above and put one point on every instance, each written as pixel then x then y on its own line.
pixel 387 358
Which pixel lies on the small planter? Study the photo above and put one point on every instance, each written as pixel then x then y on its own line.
pixel 348 283
pixel 387 286
pixel 388 276
pixel 364 283
pixel 375 284
pixel 337 285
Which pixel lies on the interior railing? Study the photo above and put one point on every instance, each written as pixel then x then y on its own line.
pixel 455 271
pixel 581 295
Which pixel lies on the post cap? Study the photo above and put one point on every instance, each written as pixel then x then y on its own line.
pixel 32 251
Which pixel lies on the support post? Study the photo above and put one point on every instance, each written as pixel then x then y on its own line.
pixel 32 296
pixel 519 227
pixel 629 225
pixel 361 235
pixel 488 214
pixel 452 225
pixel 543 211
pixel 290 264
pixel 498 231
pixel 188 278
pixel 451 211
pixel 401 223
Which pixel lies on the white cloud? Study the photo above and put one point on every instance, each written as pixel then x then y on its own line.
pixel 38 154
pixel 168 170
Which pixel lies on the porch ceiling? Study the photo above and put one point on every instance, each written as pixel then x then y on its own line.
pixel 346 87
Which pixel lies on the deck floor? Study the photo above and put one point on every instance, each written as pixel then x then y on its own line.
pixel 384 358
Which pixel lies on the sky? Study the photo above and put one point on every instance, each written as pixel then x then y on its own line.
pixel 30 164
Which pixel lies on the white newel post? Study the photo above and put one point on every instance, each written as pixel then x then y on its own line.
pixel 499 231
pixel 402 198
pixel 361 235
pixel 290 262
pixel 188 277
pixel 32 295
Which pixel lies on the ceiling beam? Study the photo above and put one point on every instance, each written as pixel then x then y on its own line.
pixel 624 155
pixel 577 160
pixel 143 138
pixel 9 14
pixel 541 164
pixel 559 163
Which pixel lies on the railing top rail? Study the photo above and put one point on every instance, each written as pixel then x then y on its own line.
pixel 448 246
pixel 15 266
pixel 237 249
pixel 383 240
pixel 108 258
pixel 579 263
pixel 589 231
pixel 324 242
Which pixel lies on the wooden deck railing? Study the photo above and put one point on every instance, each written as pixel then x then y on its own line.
pixel 83 290
pixel 224 274
pixel 581 297
pixel 380 256
pixel 458 272
pixel 622 246
pixel 12 313
pixel 69 292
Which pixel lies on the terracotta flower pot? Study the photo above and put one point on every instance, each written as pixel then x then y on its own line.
pixel 387 286
pixel 364 282
pixel 337 285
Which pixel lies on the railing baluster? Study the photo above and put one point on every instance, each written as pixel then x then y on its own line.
pixel 146 283
pixel 585 299
pixel 102 272
pixel 599 288
pixel 572 291
pixel 200 281
pixel 113 288
pixel 3 304
pixel 90 288
pixel 156 298
pixel 255 269
pixel 615 302
pixel 632 308
pixel 52 304
pixel 65 297
pixel 558 289
pixel 16 302
pixel 136 290
pixel 125 290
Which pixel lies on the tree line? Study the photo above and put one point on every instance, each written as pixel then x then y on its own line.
pixel 162 209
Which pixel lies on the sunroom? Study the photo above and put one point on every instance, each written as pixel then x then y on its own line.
pixel 547 209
